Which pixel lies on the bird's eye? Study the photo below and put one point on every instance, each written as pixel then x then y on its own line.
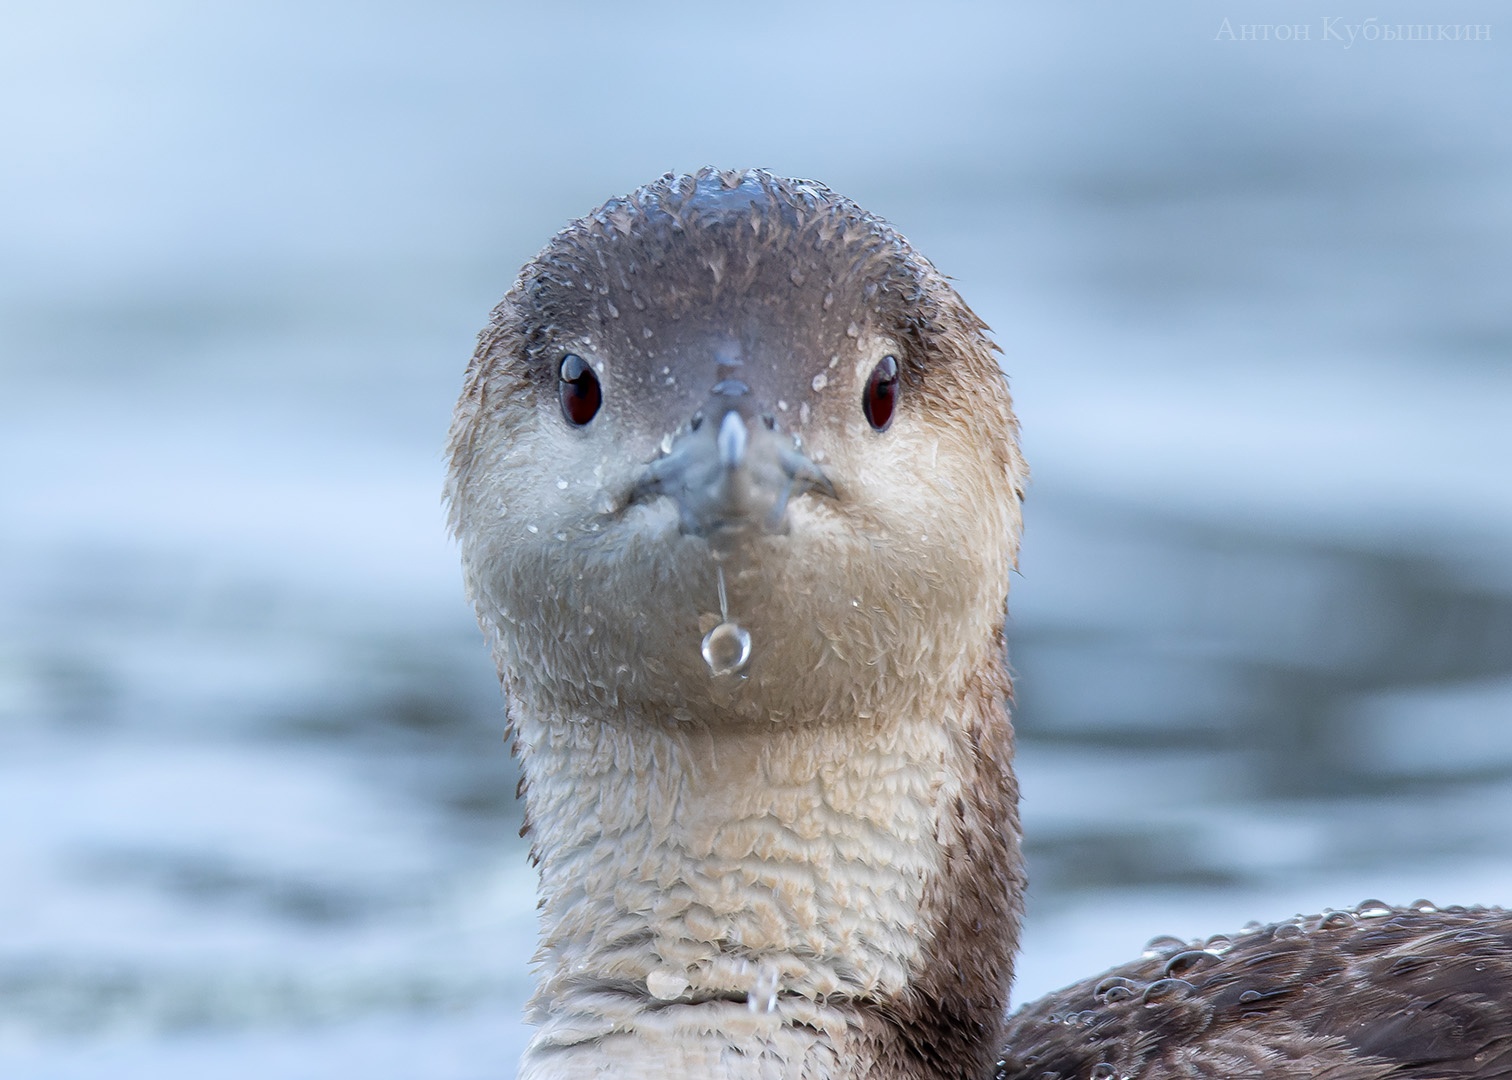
pixel 578 390
pixel 881 393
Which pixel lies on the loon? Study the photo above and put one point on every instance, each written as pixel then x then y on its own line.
pixel 736 479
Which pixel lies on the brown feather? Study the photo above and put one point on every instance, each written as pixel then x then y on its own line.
pixel 1380 992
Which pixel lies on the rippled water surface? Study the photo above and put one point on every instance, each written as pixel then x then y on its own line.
pixel 256 814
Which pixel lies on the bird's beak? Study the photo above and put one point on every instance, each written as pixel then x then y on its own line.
pixel 732 471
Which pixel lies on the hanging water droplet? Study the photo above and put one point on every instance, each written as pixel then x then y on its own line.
pixel 666 443
pixel 726 648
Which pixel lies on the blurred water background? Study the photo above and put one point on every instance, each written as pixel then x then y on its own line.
pixel 256 815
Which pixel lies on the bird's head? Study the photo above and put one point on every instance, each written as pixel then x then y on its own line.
pixel 739 378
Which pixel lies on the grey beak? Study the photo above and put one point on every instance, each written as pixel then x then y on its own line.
pixel 732 440
pixel 730 478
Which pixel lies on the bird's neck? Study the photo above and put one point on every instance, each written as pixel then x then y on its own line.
pixel 838 897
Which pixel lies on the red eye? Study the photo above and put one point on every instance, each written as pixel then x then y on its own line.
pixel 881 393
pixel 578 390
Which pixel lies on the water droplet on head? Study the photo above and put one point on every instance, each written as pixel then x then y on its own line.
pixel 821 380
pixel 561 484
pixel 1336 920
pixel 727 648
pixel 1427 907
pixel 1372 909
pixel 1103 1071
pixel 666 443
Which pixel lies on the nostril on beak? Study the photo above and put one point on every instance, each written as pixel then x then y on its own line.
pixel 732 440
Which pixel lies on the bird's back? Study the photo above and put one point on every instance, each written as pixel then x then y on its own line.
pixel 1348 995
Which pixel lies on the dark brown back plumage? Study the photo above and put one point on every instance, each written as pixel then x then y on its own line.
pixel 1372 993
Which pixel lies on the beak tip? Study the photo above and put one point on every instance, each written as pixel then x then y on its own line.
pixel 732 440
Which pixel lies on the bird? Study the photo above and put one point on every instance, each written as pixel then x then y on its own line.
pixel 736 481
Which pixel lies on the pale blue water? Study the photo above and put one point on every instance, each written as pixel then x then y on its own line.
pixel 256 814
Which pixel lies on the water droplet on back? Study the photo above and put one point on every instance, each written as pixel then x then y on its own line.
pixel 1163 946
pixel 1191 960
pixel 1163 991
pixel 1114 988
